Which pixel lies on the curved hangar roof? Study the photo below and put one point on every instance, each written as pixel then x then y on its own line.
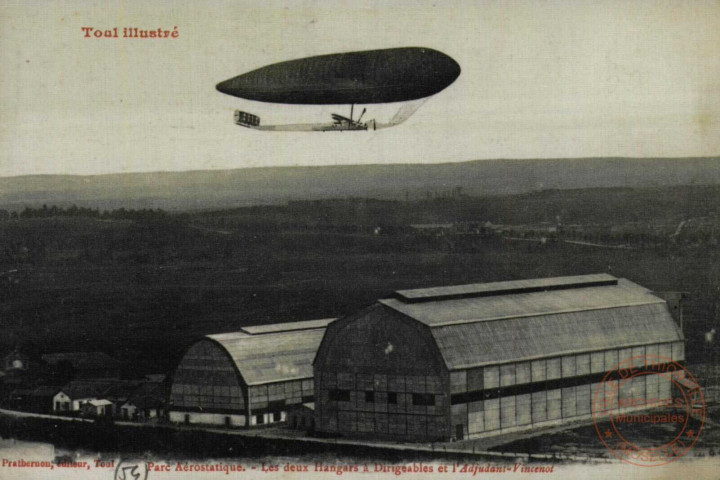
pixel 274 353
pixel 483 324
pixel 373 76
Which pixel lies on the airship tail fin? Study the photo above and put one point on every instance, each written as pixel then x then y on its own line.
pixel 405 112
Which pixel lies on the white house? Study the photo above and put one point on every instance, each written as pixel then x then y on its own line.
pixel 76 393
pixel 62 402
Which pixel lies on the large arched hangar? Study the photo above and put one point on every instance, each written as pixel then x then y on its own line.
pixel 478 360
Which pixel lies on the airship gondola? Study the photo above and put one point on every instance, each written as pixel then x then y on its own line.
pixel 409 75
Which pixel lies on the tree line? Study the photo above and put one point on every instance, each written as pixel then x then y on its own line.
pixel 75 211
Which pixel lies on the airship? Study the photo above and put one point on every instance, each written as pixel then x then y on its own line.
pixel 407 76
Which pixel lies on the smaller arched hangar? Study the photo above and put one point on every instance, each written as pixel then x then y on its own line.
pixel 246 378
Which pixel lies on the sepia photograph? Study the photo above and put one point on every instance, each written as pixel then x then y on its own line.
pixel 307 240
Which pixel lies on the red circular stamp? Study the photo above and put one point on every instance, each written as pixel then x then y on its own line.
pixel 648 411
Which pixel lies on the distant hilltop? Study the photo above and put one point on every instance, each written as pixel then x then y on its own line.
pixel 210 189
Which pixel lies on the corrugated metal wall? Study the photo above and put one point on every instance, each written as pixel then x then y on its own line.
pixel 380 379
pixel 408 406
pixel 478 416
pixel 205 378
pixel 286 393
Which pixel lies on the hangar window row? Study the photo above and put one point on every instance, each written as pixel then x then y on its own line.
pixel 382 383
pixel 418 399
pixel 557 404
pixel 484 378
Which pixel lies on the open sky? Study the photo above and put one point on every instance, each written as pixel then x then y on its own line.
pixel 539 79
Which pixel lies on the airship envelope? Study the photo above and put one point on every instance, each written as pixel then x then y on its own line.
pixel 367 77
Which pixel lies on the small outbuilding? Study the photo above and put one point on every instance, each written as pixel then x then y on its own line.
pixel 143 408
pixel 97 408
pixel 302 417
pixel 16 360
